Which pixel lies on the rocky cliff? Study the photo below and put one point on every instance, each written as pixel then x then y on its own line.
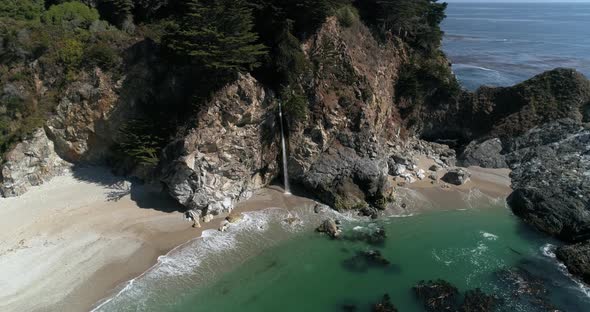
pixel 507 112
pixel 229 151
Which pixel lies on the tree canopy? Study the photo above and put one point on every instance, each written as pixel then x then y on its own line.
pixel 217 34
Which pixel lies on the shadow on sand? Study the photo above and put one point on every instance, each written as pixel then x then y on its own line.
pixel 116 188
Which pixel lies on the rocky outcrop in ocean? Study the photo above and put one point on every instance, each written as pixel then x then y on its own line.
pixel 577 259
pixel 551 179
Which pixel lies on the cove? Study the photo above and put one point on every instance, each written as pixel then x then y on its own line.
pixel 470 248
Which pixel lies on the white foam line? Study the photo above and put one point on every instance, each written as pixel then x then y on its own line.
pixel 162 259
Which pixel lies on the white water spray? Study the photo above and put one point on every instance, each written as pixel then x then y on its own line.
pixel 285 172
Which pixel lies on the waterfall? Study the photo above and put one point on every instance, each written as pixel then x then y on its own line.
pixel 284 147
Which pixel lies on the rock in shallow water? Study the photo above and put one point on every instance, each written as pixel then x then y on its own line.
pixel 329 227
pixel 577 259
pixel 437 295
pixel 384 305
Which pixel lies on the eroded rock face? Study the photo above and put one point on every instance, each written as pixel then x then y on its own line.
pixel 230 151
pixel 551 179
pixel 30 163
pixel 577 259
pixel 87 119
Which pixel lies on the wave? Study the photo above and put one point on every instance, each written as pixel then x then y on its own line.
pixel 489 236
pixel 203 259
pixel 469 66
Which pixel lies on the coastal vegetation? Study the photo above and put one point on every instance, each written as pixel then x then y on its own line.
pixel 53 41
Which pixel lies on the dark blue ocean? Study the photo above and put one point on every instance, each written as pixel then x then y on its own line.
pixel 500 44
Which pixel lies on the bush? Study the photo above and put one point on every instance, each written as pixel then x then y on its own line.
pixel 347 16
pixel 21 9
pixel 294 104
pixel 100 54
pixel 71 15
pixel 142 141
pixel 70 53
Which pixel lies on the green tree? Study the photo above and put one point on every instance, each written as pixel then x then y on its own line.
pixel 217 34
pixel 116 11
pixel 71 15
pixel 21 9
pixel 290 62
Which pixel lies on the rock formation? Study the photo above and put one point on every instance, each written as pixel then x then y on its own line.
pixel 30 163
pixel 551 180
pixel 229 152
pixel 577 259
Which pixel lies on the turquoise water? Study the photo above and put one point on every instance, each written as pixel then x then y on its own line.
pixel 309 272
pixel 500 44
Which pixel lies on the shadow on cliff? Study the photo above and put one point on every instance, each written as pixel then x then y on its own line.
pixel 116 188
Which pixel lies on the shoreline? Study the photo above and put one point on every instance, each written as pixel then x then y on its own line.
pixel 94 232
pixel 140 236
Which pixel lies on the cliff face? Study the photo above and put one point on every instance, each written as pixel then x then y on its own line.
pixel 229 151
pixel 339 152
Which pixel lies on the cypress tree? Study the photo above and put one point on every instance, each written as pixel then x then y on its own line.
pixel 217 34
pixel 116 11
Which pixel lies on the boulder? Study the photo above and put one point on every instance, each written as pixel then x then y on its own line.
pixel 329 227
pixel 576 258
pixel 487 154
pixel 421 174
pixel 234 217
pixel 435 167
pixel 457 176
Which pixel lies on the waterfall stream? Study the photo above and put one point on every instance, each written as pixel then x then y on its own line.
pixel 284 147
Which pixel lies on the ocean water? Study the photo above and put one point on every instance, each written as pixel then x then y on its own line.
pixel 268 266
pixel 501 44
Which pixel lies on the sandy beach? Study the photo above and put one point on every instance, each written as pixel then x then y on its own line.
pixel 64 245
pixel 69 243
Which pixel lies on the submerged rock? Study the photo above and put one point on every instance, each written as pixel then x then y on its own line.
pixel 372 235
pixel 524 290
pixel 437 296
pixel 457 176
pixel 577 259
pixel 478 301
pixel 362 261
pixel 384 305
